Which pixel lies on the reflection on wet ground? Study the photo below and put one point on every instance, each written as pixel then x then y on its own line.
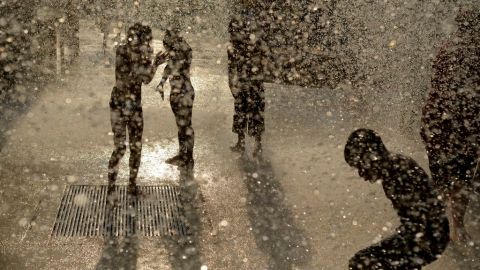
pixel 153 168
pixel 152 161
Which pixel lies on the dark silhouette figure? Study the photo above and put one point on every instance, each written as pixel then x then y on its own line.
pixel 182 94
pixel 424 232
pixel 246 59
pixel 451 118
pixel 133 66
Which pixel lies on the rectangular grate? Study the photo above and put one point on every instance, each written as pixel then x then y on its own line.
pixel 84 211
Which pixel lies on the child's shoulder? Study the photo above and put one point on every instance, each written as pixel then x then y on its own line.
pixel 405 167
pixel 405 162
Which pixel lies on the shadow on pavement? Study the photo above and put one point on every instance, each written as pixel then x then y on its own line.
pixel 468 257
pixel 8 260
pixel 184 251
pixel 119 254
pixel 272 222
pixel 8 115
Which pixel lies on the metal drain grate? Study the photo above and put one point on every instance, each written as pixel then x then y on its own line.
pixel 84 211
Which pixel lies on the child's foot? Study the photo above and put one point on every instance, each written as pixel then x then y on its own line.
pixel 177 160
pixel 134 191
pixel 238 148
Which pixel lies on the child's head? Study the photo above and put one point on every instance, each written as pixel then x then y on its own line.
pixel 139 34
pixel 366 152
pixel 138 39
pixel 172 37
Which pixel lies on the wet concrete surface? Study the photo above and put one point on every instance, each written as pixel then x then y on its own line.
pixel 302 207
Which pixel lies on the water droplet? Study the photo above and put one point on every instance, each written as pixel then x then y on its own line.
pixel 223 223
pixel 23 222
pixel 80 200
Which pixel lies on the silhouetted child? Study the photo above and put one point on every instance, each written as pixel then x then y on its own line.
pixel 246 57
pixel 451 118
pixel 182 94
pixel 134 66
pixel 424 232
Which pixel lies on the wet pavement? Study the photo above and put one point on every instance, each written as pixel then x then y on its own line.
pixel 300 208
